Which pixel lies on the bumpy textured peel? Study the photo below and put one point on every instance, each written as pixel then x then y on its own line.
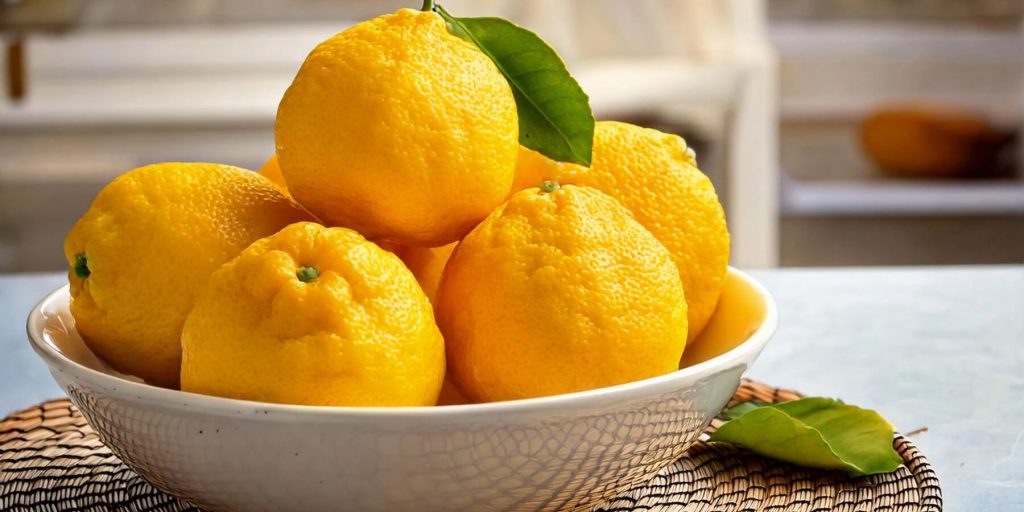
pixel 360 333
pixel 656 179
pixel 559 292
pixel 400 130
pixel 152 237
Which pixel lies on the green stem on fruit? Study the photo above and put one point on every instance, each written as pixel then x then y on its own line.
pixel 428 6
pixel 82 266
pixel 549 186
pixel 307 274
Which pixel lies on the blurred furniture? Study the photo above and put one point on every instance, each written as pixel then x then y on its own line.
pixel 915 140
pixel 836 207
pixel 112 84
pixel 698 59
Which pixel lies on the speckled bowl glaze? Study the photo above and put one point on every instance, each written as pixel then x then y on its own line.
pixel 560 452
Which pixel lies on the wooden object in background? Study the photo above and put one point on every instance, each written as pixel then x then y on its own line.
pixel 16 69
pixel 931 141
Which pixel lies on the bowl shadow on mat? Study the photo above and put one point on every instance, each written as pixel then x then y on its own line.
pixel 560 452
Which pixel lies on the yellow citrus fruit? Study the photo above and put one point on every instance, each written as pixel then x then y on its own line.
pixel 148 243
pixel 740 312
pixel 314 316
pixel 426 263
pixel 451 395
pixel 272 171
pixel 654 176
pixel 532 168
pixel 556 292
pixel 400 130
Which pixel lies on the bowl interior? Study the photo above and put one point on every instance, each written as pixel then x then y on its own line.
pixel 57 329
pixel 743 309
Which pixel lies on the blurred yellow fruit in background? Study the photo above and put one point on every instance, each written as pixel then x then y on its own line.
pixel 559 290
pixel 148 242
pixel 532 168
pixel 314 316
pixel 400 130
pixel 427 264
pixel 272 171
pixel 654 177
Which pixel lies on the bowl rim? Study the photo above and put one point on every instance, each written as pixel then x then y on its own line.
pixel 56 359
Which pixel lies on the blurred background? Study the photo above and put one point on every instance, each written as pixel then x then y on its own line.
pixel 840 132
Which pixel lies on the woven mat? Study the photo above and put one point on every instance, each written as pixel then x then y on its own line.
pixel 51 460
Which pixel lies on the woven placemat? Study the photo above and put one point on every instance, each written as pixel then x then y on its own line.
pixel 51 460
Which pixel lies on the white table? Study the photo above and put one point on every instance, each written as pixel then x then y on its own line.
pixel 941 348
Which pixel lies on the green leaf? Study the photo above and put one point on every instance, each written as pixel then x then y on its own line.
pixel 554 113
pixel 740 409
pixel 817 433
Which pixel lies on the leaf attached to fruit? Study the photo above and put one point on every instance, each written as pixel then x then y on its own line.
pixel 555 118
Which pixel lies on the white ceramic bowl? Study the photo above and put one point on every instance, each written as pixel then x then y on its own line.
pixel 558 452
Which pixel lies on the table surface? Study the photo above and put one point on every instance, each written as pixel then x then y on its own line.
pixel 935 347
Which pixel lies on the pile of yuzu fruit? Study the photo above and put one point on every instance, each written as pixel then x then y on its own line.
pixel 402 232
